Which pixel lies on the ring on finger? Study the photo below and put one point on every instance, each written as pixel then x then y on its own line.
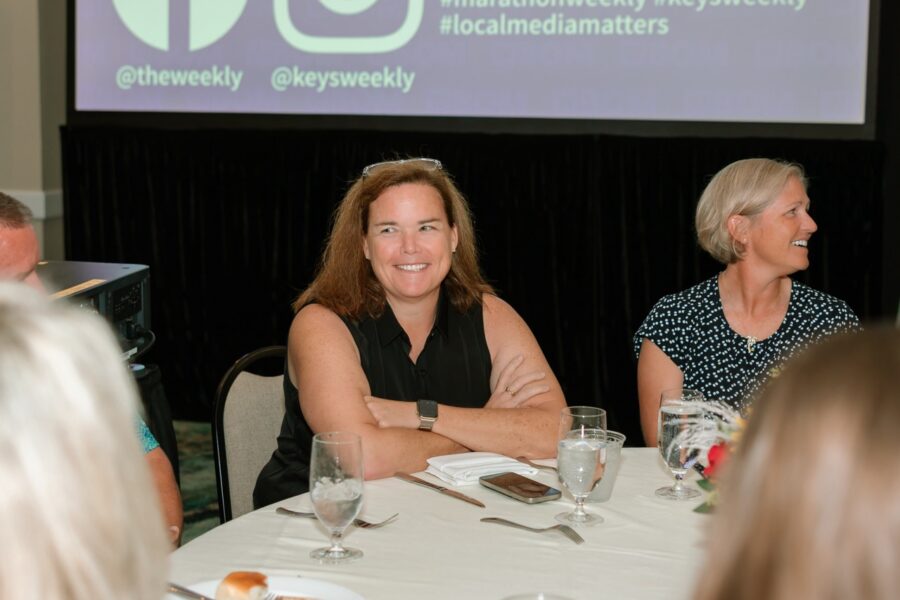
pixel 509 391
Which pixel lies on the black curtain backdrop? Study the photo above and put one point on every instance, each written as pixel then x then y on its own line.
pixel 581 234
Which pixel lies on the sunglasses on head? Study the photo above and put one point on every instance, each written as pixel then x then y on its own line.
pixel 430 164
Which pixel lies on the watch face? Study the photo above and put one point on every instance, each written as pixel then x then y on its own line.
pixel 427 408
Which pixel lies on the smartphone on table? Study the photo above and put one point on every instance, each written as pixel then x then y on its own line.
pixel 520 487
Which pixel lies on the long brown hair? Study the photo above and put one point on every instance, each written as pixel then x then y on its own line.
pixel 345 282
pixel 810 505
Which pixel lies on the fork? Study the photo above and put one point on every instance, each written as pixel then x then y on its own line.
pixel 358 522
pixel 563 529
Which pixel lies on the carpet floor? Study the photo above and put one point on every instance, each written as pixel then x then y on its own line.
pixel 198 478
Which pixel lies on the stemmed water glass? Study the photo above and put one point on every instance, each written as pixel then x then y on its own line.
pixel 581 458
pixel 581 417
pixel 336 489
pixel 680 409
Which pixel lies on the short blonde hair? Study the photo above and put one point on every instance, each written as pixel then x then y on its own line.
pixel 809 504
pixel 79 515
pixel 745 187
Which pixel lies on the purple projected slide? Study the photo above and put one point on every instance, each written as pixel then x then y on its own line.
pixel 782 61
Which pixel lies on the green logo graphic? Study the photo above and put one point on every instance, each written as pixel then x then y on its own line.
pixel 349 45
pixel 148 20
pixel 347 7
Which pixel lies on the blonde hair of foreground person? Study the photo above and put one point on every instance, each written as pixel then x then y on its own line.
pixel 810 505
pixel 79 516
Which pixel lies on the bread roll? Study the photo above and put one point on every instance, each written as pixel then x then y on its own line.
pixel 243 585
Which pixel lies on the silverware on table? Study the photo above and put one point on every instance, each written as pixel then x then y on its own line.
pixel 358 522
pixel 180 590
pixel 439 488
pixel 522 459
pixel 564 529
pixel 274 596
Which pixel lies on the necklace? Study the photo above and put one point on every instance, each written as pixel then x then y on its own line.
pixel 751 342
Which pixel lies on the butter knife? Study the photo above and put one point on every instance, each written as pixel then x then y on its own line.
pixel 180 590
pixel 440 488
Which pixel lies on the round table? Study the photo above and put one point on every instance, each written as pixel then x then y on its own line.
pixel 438 548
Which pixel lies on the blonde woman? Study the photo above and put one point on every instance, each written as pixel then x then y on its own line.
pixel 809 506
pixel 79 516
pixel 726 336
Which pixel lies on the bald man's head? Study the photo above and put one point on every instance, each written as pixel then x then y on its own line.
pixel 19 249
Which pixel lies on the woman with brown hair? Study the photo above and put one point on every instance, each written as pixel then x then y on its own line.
pixel 808 507
pixel 400 340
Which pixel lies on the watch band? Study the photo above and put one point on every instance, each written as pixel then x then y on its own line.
pixel 427 411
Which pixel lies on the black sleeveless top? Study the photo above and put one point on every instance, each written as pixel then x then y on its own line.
pixel 454 368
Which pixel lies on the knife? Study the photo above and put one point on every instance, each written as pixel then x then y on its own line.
pixel 180 590
pixel 440 488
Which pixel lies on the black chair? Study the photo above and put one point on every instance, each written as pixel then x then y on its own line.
pixel 248 415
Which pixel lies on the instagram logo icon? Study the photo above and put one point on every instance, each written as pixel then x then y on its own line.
pixel 344 44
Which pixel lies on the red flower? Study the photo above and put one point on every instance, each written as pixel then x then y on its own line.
pixel 717 456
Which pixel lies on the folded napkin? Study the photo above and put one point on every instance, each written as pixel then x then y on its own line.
pixel 466 468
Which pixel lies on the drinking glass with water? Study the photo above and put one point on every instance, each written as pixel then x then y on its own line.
pixel 679 411
pixel 581 458
pixel 336 489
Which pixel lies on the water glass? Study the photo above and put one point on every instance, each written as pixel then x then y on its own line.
pixel 581 417
pixel 336 490
pixel 580 461
pixel 603 491
pixel 680 410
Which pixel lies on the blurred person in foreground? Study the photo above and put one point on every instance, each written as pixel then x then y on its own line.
pixel 19 256
pixel 809 506
pixel 400 340
pixel 79 517
pixel 726 336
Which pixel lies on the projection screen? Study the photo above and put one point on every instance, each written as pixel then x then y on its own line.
pixel 776 61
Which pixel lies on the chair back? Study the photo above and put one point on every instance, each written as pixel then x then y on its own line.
pixel 248 415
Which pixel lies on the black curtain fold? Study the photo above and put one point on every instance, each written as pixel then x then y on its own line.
pixel 581 234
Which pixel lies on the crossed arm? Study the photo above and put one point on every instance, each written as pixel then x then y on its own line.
pixel 336 395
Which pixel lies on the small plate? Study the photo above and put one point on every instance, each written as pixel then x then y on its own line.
pixel 296 586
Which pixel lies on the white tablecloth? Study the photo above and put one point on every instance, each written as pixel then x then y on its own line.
pixel 648 548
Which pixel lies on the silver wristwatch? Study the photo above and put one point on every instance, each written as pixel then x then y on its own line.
pixel 427 410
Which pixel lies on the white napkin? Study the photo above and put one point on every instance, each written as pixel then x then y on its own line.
pixel 466 468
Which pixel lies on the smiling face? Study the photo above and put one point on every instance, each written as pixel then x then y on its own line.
pixel 19 255
pixel 778 236
pixel 409 242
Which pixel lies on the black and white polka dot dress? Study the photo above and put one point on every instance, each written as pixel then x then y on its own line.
pixel 690 328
